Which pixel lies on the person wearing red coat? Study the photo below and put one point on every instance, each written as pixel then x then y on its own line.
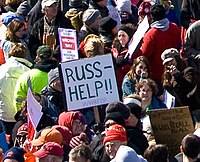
pixel 161 35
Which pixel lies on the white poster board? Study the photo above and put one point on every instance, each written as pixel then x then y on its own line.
pixel 89 82
pixel 68 44
pixel 138 35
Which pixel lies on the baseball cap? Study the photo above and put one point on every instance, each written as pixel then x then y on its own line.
pixel 48 135
pixel 49 148
pixel 16 153
pixel 47 3
pixel 44 51
pixel 169 55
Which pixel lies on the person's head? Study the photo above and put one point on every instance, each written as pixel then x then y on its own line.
pixel 48 135
pixel 101 3
pixel 113 118
pixel 146 89
pixel 93 46
pixel 54 80
pixel 190 146
pixel 124 6
pixel 125 34
pixel 18 50
pixel 50 151
pixel 118 106
pixel 108 25
pixel 157 12
pixel 44 52
pixel 133 101
pixel 78 4
pixel 156 153
pixel 80 153
pixel 144 10
pixel 91 18
pixel 140 68
pixel 168 56
pixel 114 138
pixel 14 154
pixel 15 30
pixel 72 121
pixel 50 8
pixel 22 133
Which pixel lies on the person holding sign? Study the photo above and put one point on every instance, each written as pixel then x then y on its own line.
pixel 180 80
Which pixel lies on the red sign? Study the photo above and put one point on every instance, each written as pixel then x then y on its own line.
pixel 68 43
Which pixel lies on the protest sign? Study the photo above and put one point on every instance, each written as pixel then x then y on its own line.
pixel 138 35
pixel 170 126
pixel 89 82
pixel 68 44
pixel 34 110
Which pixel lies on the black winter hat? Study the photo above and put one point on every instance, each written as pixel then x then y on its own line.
pixel 75 3
pixel 117 117
pixel 107 24
pixel 158 12
pixel 135 109
pixel 129 31
pixel 118 106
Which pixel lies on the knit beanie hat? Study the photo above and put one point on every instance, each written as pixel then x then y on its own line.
pixel 116 132
pixel 144 9
pixel 24 8
pixel 75 3
pixel 44 51
pixel 124 6
pixel 16 153
pixel 158 12
pixel 129 31
pixel 118 106
pixel 89 16
pixel 117 117
pixel 53 75
pixel 95 1
pixel 107 24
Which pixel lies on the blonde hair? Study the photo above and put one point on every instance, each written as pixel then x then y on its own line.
pixel 12 2
pixel 93 46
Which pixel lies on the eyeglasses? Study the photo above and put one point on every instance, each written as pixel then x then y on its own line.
pixel 22 30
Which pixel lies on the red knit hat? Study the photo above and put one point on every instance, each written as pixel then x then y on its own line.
pixel 116 132
pixel 144 9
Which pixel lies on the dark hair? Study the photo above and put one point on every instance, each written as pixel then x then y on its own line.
pixel 191 145
pixel 156 153
pixel 158 12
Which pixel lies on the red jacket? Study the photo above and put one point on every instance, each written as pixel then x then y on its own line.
pixel 154 43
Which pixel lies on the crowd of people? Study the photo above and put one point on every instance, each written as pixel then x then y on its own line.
pixel 166 60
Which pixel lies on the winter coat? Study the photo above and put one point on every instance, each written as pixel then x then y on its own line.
pixel 155 41
pixel 10 72
pixel 185 89
pixel 36 79
pixel 36 35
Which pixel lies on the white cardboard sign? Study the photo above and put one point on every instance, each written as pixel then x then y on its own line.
pixel 89 82
pixel 68 44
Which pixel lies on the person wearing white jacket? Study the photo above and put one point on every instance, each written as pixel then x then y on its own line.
pixel 14 67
